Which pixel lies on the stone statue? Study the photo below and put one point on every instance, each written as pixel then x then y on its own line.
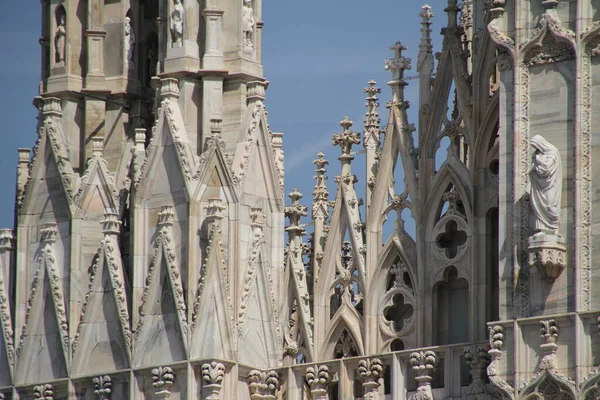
pixel 546 186
pixel 248 24
pixel 177 17
pixel 60 39
pixel 129 42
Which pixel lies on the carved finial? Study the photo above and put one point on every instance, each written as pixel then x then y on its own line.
pixel 497 8
pixel 48 233
pixel 216 126
pixel 215 208
pixel 549 331
pixel 169 88
pixel 24 155
pixel 423 363
pixel 318 379
pixel 213 375
pixel 97 145
pixel 103 387
pixel 477 358
pixel 398 64
pixel 162 380
pixel 372 120
pixel 263 384
pixel 496 337
pixel 370 370
pixel 6 239
pixel 294 212
pixel 425 46
pixel 111 224
pixel 166 216
pixel 140 139
pixel 549 4
pixel 346 138
pixel 215 139
pixel 320 193
pixel 52 107
pixel 257 217
pixel 277 140
pixel 43 392
pixel 256 91
pixel 549 335
pixel 22 173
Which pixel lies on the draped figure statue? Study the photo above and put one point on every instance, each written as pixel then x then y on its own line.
pixel 546 186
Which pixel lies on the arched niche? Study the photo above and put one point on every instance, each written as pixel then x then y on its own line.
pixel 451 308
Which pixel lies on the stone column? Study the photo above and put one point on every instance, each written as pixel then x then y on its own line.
pixel 318 379
pixel 162 380
pixel 103 387
pixel 423 364
pixel 370 372
pixel 212 375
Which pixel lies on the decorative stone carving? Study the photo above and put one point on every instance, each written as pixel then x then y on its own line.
pixel 477 358
pixel 162 380
pixel 248 23
pixel 318 378
pixel 370 372
pixel 263 384
pixel 43 392
pixel 547 381
pixel 546 185
pixel 60 38
pixel 547 250
pixel 177 23
pixel 501 387
pixel 212 375
pixel 129 43
pixel 423 364
pixel 103 387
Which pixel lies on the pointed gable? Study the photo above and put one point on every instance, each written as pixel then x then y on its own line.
pixel 103 339
pixel 215 176
pixel 161 335
pixel 254 162
pixel 45 337
pixel 260 338
pixel 7 351
pixel 212 323
pixel 97 192
pixel 169 172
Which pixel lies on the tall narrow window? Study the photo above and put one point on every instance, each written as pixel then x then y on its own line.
pixel 493 275
pixel 452 311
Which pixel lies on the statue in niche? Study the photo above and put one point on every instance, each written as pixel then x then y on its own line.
pixel 248 24
pixel 546 186
pixel 129 42
pixel 60 38
pixel 177 17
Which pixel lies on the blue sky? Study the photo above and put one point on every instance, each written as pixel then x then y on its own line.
pixel 317 54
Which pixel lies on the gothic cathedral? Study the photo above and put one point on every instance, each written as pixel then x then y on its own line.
pixel 154 256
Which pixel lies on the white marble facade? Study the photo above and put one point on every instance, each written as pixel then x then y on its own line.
pixel 165 266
